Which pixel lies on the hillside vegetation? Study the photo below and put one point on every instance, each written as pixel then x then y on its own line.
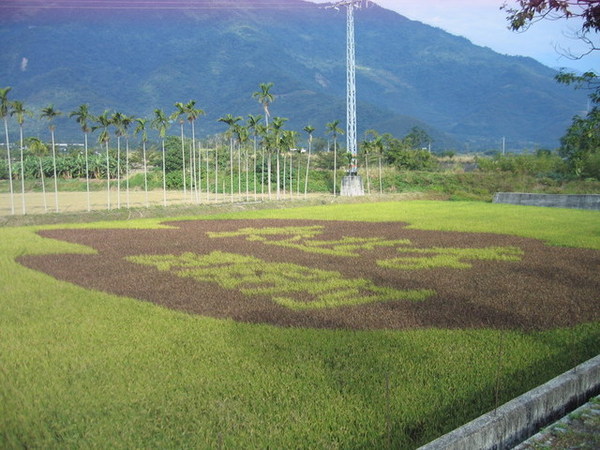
pixel 409 74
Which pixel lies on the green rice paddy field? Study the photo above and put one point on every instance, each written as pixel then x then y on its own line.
pixel 83 368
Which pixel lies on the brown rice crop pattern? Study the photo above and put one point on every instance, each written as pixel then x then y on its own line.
pixel 333 274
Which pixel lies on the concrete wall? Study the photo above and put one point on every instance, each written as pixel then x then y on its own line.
pixel 522 417
pixel 584 201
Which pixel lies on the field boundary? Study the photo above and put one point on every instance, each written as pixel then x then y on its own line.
pixel 522 417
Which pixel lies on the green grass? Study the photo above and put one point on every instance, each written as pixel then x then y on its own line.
pixel 82 369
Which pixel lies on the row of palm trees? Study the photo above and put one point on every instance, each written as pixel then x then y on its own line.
pixel 270 135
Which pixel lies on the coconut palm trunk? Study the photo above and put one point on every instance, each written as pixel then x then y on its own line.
pixel 284 176
pixel 183 174
pixel 262 174
pixel 118 120
pixel 82 116
pixel 247 169
pixel 50 113
pixel 217 171
pixel 278 175
pixel 145 173
pixel 24 208
pixel 309 129
pixel 18 110
pixel 291 176
pixel 10 181
pixel 199 170
pixel 192 114
pixel 164 170
pixel 366 148
pixel 87 171
pixel 334 130
pixel 43 186
pixel 254 168
pixel 108 205
pixel 231 167
pixel 118 172
pixel 161 123
pixel 194 181
pixel 4 111
pixel 208 172
pixel 127 199
pixel 239 164
pixel 380 178
pixel 307 171
pixel 269 168
pixel 334 167
pixel 54 170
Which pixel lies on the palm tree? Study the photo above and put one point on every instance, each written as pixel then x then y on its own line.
pixel 309 129
pixel 104 121
pixel 141 129
pixel 288 140
pixel 82 116
pixel 242 134
pixel 334 130
pixel 263 131
pixel 126 122
pixel 192 114
pixel 178 115
pixel 117 121
pixel 265 98
pixel 252 124
pixel 279 141
pixel 378 146
pixel 18 109
pixel 39 149
pixel 50 113
pixel 231 121
pixel 4 111
pixel 161 123
pixel 366 148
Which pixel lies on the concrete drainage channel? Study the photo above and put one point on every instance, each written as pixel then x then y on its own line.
pixel 524 416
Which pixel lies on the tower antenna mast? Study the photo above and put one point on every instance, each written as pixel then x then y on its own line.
pixel 351 140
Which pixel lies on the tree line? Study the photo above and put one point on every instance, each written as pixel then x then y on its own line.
pixel 258 146
pixel 114 165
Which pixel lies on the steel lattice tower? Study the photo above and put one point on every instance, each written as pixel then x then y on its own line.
pixel 351 143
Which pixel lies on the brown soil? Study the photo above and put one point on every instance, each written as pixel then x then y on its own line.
pixel 550 287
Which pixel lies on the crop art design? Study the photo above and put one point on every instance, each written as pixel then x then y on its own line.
pixel 301 238
pixel 335 274
pixel 454 258
pixel 289 285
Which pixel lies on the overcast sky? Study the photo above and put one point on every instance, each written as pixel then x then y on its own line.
pixel 483 23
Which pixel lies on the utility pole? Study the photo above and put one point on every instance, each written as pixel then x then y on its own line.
pixel 352 183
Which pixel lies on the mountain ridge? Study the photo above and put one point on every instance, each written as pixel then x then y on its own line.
pixel 408 74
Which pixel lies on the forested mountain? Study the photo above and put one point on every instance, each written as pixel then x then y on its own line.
pixel 409 74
